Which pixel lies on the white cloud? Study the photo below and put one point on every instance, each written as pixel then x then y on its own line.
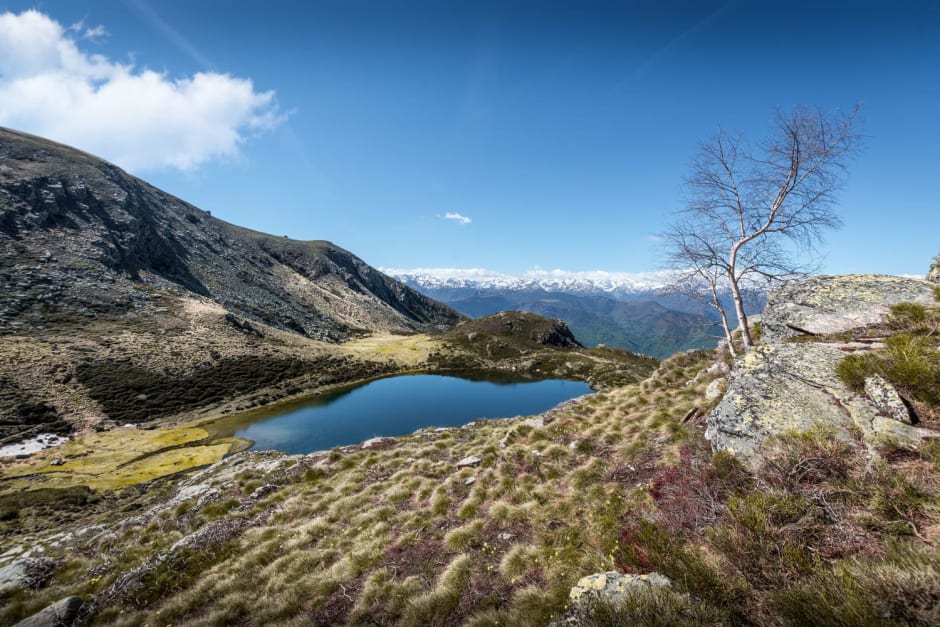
pixel 456 217
pixel 88 32
pixel 138 118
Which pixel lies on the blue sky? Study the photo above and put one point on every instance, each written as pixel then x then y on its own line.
pixel 562 130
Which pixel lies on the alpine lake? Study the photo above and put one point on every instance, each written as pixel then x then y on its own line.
pixel 391 407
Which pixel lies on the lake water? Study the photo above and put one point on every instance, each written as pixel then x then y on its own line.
pixel 395 406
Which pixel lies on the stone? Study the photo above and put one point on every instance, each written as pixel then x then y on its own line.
pixel 262 491
pixel 715 389
pixel 833 304
pixel 612 587
pixel 377 443
pixel 934 274
pixel 536 423
pixel 28 572
pixel 63 612
pixel 470 481
pixel 887 400
pixel 469 462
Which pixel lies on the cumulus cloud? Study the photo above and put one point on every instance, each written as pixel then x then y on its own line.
pixel 456 217
pixel 138 118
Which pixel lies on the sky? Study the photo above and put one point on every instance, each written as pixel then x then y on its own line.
pixel 512 136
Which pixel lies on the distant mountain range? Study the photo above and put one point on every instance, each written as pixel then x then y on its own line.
pixel 617 285
pixel 622 310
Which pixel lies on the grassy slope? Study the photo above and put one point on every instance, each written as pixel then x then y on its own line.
pixel 360 534
pixel 820 531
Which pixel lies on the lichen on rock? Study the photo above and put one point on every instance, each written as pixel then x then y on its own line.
pixel 610 587
pixel 834 304
pixel 783 386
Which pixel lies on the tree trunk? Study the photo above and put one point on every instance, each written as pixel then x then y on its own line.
pixel 724 323
pixel 742 317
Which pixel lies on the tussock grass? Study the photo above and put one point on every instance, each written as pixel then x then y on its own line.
pixel 616 481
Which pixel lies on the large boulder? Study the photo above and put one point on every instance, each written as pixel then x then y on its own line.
pixel 27 572
pixel 833 304
pixel 63 612
pixel 783 386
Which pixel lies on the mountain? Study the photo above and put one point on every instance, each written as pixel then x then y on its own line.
pixel 617 285
pixel 620 310
pixel 80 237
pixel 120 303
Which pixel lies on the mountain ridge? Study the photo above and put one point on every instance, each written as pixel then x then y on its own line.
pixel 99 219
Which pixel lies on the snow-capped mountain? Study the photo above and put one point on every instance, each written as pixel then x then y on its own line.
pixel 620 309
pixel 618 285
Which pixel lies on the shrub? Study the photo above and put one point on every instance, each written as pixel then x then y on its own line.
pixel 908 361
pixel 907 316
pixel 766 537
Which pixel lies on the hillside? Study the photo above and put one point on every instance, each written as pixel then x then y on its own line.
pixel 123 304
pixel 80 237
pixel 610 509
pixel 640 326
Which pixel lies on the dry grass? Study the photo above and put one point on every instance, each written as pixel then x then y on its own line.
pixel 617 481
pixel 398 535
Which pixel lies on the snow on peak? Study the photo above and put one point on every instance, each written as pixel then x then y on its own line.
pixel 556 280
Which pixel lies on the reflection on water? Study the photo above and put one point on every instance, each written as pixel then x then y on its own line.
pixel 393 406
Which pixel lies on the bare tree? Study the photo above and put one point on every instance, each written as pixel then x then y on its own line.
pixel 757 211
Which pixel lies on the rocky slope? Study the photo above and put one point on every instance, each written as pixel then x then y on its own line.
pixel 80 237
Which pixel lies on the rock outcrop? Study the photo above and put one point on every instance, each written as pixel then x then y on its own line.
pixel 834 304
pixel 934 274
pixel 610 587
pixel 785 385
pixel 63 612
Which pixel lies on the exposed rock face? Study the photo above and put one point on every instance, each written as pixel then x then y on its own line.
pixel 29 572
pixel 782 385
